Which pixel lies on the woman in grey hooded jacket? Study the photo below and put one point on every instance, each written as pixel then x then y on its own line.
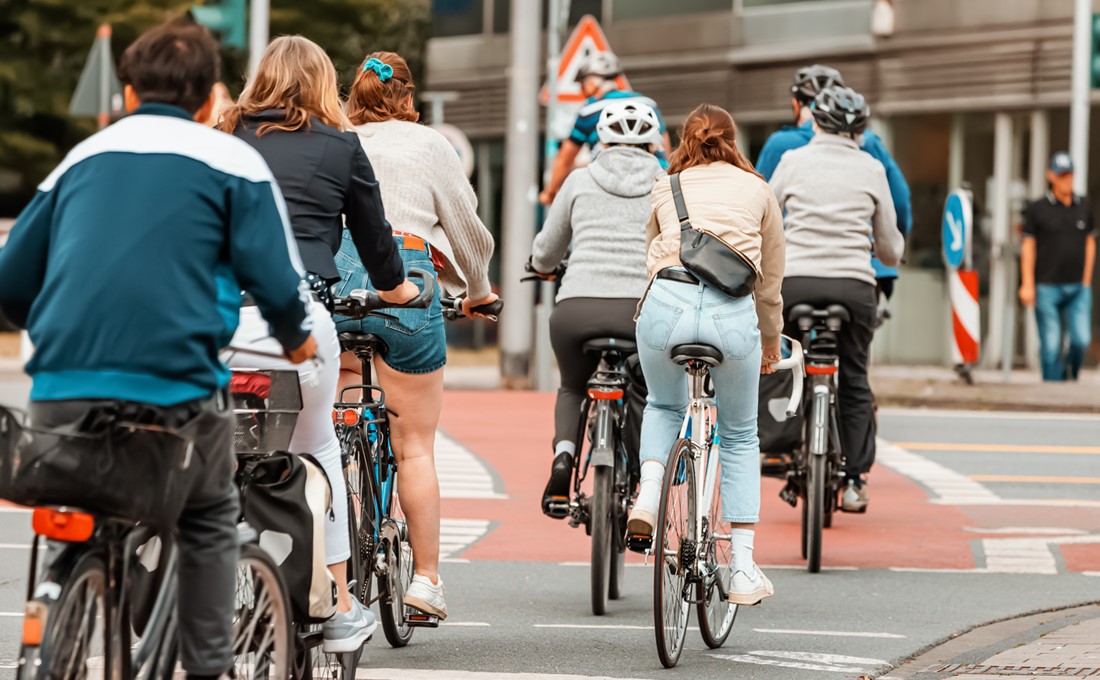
pixel 601 211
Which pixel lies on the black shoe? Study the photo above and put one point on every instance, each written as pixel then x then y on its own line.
pixel 555 499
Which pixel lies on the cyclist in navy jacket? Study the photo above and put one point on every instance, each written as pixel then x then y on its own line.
pixel 127 267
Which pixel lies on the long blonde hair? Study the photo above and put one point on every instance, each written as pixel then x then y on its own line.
pixel 294 75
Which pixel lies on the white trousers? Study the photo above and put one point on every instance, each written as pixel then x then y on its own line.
pixel 314 433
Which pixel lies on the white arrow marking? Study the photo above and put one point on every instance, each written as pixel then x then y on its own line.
pixel 956 232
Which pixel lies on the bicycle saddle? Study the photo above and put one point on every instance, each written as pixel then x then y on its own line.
pixel 707 354
pixel 601 345
pixel 353 341
pixel 808 316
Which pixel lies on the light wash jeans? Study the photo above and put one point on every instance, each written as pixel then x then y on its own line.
pixel 1063 311
pixel 675 313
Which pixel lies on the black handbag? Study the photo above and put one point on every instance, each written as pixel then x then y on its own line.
pixel 709 258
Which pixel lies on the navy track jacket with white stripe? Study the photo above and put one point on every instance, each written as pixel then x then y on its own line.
pixel 127 266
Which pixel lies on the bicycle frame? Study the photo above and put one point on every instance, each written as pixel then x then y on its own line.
pixel 701 411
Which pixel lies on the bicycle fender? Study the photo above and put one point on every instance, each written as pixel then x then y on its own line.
pixel 602 457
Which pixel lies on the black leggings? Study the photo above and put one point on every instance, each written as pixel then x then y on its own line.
pixel 574 322
pixel 857 421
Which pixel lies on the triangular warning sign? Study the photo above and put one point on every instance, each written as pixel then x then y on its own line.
pixel 587 39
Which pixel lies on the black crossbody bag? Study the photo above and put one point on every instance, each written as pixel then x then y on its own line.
pixel 708 257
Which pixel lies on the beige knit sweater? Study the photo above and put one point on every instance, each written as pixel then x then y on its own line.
pixel 426 193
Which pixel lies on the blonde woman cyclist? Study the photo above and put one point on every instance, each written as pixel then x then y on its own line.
pixel 728 199
pixel 290 113
pixel 434 212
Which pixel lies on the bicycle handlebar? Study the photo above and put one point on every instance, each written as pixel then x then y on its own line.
pixel 794 364
pixel 361 303
pixel 452 309
pixel 536 275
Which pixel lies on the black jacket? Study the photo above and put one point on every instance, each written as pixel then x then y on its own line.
pixel 324 174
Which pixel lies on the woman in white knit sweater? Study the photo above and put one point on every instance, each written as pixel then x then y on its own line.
pixel 433 211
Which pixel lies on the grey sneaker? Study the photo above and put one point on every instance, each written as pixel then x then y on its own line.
pixel 855 498
pixel 348 631
pixel 426 596
pixel 750 589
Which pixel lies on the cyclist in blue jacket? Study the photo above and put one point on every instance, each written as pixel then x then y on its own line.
pixel 808 82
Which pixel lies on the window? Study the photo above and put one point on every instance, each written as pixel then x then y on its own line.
pixel 456 17
pixel 765 3
pixel 502 12
pixel 647 9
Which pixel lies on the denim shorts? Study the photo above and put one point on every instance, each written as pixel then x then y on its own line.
pixel 415 340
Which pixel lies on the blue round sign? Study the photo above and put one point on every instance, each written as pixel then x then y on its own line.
pixel 956 228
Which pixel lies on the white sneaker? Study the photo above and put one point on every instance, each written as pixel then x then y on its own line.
pixel 854 499
pixel 348 631
pixel 750 589
pixel 640 522
pixel 426 596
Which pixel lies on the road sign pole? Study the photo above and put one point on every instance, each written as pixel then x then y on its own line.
pixel 258 32
pixel 1079 108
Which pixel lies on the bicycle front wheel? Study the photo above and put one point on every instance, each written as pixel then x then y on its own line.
pixel 716 613
pixel 674 544
pixel 814 515
pixel 603 544
pixel 261 618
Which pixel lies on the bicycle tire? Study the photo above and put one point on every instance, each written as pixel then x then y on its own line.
pixel 620 509
pixel 600 515
pixel 311 663
pixel 360 498
pixel 260 604
pixel 675 519
pixel 815 512
pixel 398 578
pixel 715 612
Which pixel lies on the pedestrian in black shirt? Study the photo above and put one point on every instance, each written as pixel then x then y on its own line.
pixel 1059 254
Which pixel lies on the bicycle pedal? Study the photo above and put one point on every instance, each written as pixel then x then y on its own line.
pixel 639 543
pixel 558 508
pixel 417 619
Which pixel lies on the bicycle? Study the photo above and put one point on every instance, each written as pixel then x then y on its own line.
pixel 380 540
pixel 817 471
pixel 693 559
pixel 83 614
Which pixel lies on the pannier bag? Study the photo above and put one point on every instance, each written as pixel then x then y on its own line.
pixel 778 433
pixel 287 499
pixel 106 464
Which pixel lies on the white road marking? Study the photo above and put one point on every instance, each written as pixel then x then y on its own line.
pixel 809 661
pixel 944 484
pixel 598 626
pixel 829 633
pixel 803 566
pixel 970 415
pixel 461 473
pixel 456 535
pixel 467 624
pixel 13 615
pixel 411 674
pixel 1037 531
pixel 589 564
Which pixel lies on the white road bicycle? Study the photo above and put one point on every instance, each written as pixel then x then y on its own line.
pixel 693 564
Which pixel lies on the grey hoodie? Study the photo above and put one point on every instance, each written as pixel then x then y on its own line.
pixel 602 210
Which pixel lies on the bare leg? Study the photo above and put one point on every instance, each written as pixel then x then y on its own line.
pixel 351 373
pixel 414 403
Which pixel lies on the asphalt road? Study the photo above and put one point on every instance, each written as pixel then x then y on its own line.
pixel 974 517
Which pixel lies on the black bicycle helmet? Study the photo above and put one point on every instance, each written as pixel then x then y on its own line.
pixel 841 110
pixel 811 80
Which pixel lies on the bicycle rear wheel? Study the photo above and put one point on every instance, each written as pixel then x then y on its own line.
pixel 674 544
pixel 360 515
pixel 261 619
pixel 716 613
pixel 603 543
pixel 398 578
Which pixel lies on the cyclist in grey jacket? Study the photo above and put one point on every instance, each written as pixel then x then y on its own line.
pixel 601 211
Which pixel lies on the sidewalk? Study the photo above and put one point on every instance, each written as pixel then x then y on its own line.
pixel 1045 646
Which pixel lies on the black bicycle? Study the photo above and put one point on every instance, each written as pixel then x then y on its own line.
pixel 817 470
pixel 380 539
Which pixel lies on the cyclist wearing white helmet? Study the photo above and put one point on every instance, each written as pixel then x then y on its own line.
pixel 601 212
pixel 597 79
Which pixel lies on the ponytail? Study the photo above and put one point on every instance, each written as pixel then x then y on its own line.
pixel 709 136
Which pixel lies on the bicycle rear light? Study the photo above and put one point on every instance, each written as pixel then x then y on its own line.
pixel 34 622
pixel 604 395
pixel 349 417
pixel 813 369
pixel 60 525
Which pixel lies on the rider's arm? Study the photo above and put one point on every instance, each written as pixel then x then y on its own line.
pixel 889 243
pixel 552 242
pixel 265 261
pixel 563 165
pixel 371 233
pixel 768 159
pixel 899 188
pixel 456 207
pixel 769 296
pixel 23 259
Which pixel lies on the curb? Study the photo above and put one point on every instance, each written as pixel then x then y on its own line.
pixel 948 404
pixel 978 643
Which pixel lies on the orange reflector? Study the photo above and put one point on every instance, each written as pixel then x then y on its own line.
pixel 349 417
pixel 605 395
pixel 74 527
pixel 34 622
pixel 821 370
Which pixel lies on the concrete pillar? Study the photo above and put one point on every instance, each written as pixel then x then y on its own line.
pixel 957 152
pixel 999 293
pixel 486 210
pixel 1036 186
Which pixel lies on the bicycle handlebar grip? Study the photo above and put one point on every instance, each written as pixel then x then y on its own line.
pixel 794 364
pixel 452 308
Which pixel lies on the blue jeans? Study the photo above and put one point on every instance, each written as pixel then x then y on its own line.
pixel 1063 310
pixel 675 313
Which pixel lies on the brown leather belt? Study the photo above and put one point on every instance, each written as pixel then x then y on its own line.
pixel 677 275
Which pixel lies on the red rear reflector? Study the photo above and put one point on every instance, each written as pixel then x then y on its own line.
pixel 349 417
pixel 73 527
pixel 820 370
pixel 34 622
pixel 605 395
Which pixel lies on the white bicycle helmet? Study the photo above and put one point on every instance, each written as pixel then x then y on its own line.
pixel 603 64
pixel 628 122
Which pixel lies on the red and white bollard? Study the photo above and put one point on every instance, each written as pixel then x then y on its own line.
pixel 966 317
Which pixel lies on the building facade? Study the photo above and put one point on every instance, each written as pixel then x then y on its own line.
pixel 963 91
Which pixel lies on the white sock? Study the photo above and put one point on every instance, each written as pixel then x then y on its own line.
pixel 649 492
pixel 741 546
pixel 565 447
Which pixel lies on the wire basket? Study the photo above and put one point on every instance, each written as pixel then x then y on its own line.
pixel 266 405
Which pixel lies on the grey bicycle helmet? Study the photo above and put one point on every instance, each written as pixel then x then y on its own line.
pixel 603 64
pixel 841 110
pixel 811 80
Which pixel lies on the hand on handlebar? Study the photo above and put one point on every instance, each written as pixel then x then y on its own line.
pixel 406 292
pixel 770 356
pixel 468 305
pixel 304 352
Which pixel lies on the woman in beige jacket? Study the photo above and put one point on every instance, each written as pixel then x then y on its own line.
pixel 727 198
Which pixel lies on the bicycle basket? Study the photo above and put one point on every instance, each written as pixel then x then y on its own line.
pixel 266 406
pixel 141 473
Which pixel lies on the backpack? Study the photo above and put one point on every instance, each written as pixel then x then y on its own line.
pixel 286 498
